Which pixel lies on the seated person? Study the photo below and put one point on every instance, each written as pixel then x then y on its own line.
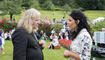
pixel 45 36
pixel 7 36
pixel 51 38
pixel 54 42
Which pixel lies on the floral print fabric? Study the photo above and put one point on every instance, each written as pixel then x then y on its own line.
pixel 82 45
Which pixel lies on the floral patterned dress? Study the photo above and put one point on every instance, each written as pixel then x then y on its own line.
pixel 82 45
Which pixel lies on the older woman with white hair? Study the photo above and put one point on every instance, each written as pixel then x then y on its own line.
pixel 26 46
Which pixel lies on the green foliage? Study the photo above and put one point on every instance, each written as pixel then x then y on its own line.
pixel 11 6
pixel 58 9
pixel 66 8
pixel 26 4
pixel 15 6
pixel 45 27
pixel 35 4
pixel 98 26
pixel 42 1
pixel 73 4
pixel 60 2
pixel 91 4
pixel 48 5
pixel 82 9
pixel 57 27
pixel 7 25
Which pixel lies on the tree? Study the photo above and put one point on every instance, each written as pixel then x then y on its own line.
pixel 26 4
pixel 42 1
pixel 60 2
pixel 72 4
pixel 11 7
pixel 49 5
pixel 35 4
pixel 66 8
pixel 91 4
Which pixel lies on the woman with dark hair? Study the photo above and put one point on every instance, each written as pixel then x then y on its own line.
pixel 80 48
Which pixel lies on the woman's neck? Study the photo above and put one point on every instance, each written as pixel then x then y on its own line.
pixel 75 29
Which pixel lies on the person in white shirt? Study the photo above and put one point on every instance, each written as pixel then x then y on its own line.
pixel 52 32
pixel 54 42
pixel 80 48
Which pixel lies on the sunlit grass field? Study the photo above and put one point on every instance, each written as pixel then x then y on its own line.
pixel 91 14
pixel 48 53
pixel 8 51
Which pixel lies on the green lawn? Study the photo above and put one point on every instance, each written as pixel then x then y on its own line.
pixel 8 51
pixel 91 14
pixel 48 54
pixel 53 54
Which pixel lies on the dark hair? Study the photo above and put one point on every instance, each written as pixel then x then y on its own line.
pixel 78 15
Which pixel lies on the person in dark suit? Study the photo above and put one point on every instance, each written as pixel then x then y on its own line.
pixel 24 39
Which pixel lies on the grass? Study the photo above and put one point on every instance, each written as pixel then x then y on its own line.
pixel 8 51
pixel 48 54
pixel 53 54
pixel 91 14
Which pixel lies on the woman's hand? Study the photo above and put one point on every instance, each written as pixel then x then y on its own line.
pixel 66 54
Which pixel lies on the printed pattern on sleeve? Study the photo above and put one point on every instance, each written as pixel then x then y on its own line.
pixel 86 48
pixel 82 45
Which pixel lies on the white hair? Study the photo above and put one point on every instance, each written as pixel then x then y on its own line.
pixel 26 20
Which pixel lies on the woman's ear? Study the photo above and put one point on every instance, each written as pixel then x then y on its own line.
pixel 78 21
